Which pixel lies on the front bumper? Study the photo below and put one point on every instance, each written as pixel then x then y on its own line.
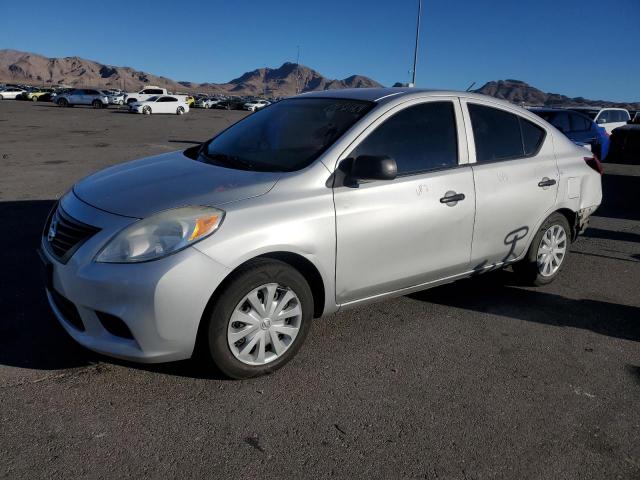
pixel 161 302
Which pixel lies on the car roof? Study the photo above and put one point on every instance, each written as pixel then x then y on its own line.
pixel 387 94
pixel 556 110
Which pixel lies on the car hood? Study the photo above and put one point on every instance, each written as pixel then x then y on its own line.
pixel 143 187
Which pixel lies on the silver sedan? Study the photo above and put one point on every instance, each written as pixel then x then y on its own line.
pixel 316 203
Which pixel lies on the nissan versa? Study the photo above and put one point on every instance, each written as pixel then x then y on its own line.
pixel 315 203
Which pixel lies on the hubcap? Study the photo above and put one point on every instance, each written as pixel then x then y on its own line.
pixel 552 250
pixel 264 324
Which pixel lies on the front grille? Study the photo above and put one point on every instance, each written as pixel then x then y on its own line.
pixel 63 235
pixel 68 310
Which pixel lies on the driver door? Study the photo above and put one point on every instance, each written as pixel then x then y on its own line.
pixel 395 234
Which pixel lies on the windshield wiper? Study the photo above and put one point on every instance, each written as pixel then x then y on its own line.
pixel 224 159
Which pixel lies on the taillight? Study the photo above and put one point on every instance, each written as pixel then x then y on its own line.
pixel 594 163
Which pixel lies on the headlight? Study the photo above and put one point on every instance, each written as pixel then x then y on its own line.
pixel 161 235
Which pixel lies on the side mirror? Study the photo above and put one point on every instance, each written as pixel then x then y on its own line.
pixel 373 167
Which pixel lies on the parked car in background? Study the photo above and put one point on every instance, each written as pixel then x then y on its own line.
pixel 83 96
pixel 254 105
pixel 115 98
pixel 160 104
pixel 578 127
pixel 625 145
pixel 230 104
pixel 608 118
pixel 235 245
pixel 145 94
pixel 11 93
pixel 206 102
pixel 40 94
pixel 189 100
pixel 57 92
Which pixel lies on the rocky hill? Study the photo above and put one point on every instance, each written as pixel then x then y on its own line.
pixel 520 92
pixel 30 68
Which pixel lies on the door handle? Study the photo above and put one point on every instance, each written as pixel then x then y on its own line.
pixel 546 182
pixel 451 198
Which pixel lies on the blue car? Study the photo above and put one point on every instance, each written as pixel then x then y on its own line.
pixel 579 128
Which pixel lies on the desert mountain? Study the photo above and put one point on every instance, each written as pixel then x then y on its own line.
pixel 30 68
pixel 519 92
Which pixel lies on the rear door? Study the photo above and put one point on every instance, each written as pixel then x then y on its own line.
pixel 516 180
pixel 167 104
pixel 400 233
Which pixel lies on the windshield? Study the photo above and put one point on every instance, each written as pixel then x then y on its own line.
pixel 285 136
pixel 152 99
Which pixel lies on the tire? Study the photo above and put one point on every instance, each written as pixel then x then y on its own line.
pixel 230 301
pixel 96 104
pixel 1 97
pixel 63 102
pixel 206 106
pixel 180 111
pixel 34 99
pixel 539 268
pixel 146 110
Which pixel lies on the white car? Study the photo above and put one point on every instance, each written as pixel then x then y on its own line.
pixel 256 105
pixel 607 118
pixel 160 104
pixel 113 97
pixel 10 93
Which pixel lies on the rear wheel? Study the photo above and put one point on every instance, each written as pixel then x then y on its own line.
pixel 260 319
pixel 547 253
pixel 1 97
pixel 63 102
pixel 180 111
pixel 34 99
pixel 96 104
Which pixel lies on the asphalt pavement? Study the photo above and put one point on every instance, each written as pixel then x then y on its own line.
pixel 483 378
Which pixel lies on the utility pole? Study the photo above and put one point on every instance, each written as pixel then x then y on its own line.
pixel 415 51
pixel 298 71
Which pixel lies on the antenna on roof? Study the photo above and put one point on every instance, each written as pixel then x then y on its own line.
pixel 470 86
pixel 415 50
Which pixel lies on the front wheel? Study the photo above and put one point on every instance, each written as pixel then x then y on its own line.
pixel 96 104
pixel 34 99
pixel 180 111
pixel 547 253
pixel 63 102
pixel 146 110
pixel 259 320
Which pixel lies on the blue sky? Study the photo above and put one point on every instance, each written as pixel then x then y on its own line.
pixel 576 47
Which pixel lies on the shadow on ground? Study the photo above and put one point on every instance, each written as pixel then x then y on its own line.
pixel 497 293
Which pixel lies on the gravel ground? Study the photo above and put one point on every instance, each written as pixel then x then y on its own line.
pixel 483 378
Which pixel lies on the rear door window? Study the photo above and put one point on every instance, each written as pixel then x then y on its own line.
pixel 579 123
pixel 500 135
